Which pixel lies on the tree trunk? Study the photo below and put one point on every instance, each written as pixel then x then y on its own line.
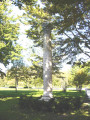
pixel 16 83
pixel 80 88
pixel 47 64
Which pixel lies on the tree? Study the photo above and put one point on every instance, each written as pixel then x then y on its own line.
pixel 27 75
pixel 16 71
pixel 62 80
pixel 79 75
pixel 37 70
pixel 2 74
pixel 58 16
pixel 9 31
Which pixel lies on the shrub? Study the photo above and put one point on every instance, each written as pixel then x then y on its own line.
pixel 12 87
pixel 76 102
pixel 26 87
pixel 60 104
pixel 63 105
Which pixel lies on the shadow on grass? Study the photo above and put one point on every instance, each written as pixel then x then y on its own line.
pixel 9 110
pixel 9 107
pixel 13 93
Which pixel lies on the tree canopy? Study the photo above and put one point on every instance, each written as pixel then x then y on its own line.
pixel 69 22
pixel 9 31
pixel 50 21
pixel 80 74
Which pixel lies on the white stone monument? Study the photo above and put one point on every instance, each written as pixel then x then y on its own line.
pixel 88 93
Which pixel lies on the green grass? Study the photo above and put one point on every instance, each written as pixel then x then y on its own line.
pixel 9 106
pixel 12 93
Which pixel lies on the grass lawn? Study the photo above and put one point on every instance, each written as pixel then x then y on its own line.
pixel 9 106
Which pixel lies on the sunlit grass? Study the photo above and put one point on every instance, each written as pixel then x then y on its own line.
pixel 11 92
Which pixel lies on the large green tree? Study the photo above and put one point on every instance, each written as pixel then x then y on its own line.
pixel 58 17
pixel 9 31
